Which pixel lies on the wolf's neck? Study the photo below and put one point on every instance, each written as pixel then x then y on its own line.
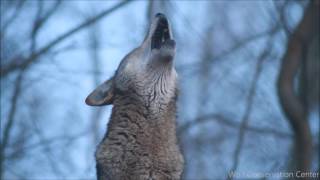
pixel 153 118
pixel 149 107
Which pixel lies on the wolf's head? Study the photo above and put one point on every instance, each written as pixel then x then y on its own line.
pixel 147 71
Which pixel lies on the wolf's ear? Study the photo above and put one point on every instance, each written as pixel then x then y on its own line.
pixel 102 95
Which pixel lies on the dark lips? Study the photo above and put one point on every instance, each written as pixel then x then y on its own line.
pixel 161 35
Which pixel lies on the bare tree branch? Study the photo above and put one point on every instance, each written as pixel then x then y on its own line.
pixel 282 16
pixel 250 100
pixel 11 19
pixel 38 23
pixel 47 151
pixel 234 48
pixel 48 141
pixel 10 122
pixel 293 108
pixel 41 20
pixel 35 56
pixel 230 123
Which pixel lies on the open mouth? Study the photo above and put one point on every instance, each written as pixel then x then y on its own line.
pixel 161 33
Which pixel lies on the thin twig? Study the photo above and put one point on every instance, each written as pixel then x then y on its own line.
pixel 234 48
pixel 8 126
pixel 35 56
pixel 230 123
pixel 11 19
pixel 250 100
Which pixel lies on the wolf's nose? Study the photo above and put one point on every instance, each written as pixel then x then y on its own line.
pixel 160 15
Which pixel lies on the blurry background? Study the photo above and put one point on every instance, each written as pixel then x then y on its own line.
pixel 229 55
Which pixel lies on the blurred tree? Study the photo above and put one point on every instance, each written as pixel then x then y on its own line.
pixel 294 108
pixel 18 63
pixel 228 55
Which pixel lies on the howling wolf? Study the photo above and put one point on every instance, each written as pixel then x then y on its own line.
pixel 141 141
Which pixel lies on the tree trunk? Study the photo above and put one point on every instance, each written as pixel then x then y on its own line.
pixel 292 106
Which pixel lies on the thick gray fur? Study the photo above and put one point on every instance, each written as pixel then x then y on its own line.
pixel 141 141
